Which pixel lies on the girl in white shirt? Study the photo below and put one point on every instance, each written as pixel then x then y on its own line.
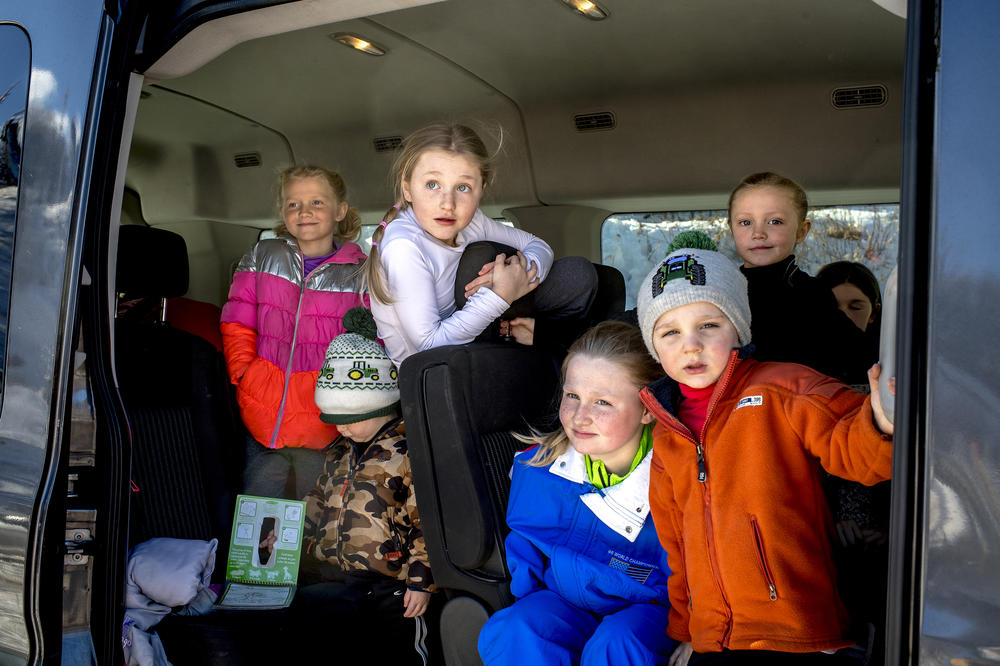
pixel 439 177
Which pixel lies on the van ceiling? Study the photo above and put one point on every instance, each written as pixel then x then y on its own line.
pixel 702 92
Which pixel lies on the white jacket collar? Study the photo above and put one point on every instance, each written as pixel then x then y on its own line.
pixel 624 506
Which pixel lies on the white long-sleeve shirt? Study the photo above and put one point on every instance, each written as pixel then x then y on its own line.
pixel 419 271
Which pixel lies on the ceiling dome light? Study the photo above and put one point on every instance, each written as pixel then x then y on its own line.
pixel 359 43
pixel 587 8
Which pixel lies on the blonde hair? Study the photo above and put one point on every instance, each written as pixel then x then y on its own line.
pixel 452 138
pixel 348 228
pixel 799 198
pixel 612 341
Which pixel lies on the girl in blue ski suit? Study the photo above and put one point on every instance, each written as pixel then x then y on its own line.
pixel 587 569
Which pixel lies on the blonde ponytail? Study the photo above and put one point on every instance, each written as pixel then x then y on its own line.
pixel 349 228
pixel 550 446
pixel 373 278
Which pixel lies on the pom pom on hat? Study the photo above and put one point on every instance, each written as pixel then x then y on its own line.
pixel 361 321
pixel 693 275
pixel 358 380
pixel 694 240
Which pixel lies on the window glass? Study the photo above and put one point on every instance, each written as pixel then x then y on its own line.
pixel 864 233
pixel 15 70
pixel 365 239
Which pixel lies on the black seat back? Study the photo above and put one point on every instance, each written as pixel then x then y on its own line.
pixel 610 298
pixel 460 403
pixel 186 441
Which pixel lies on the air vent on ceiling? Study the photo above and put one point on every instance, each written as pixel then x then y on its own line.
pixel 244 160
pixel 853 98
pixel 385 144
pixel 594 122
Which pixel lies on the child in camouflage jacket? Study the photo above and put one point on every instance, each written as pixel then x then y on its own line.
pixel 362 533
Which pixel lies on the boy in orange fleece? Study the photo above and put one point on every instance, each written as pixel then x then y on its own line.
pixel 735 487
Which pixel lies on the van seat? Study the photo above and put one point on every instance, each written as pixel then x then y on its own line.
pixel 197 317
pixel 611 294
pixel 186 441
pixel 169 280
pixel 460 403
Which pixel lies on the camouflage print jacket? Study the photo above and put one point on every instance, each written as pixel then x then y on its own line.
pixel 362 514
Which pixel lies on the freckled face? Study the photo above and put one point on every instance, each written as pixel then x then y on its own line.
pixel 855 304
pixel 444 191
pixel 765 225
pixel 694 342
pixel 601 412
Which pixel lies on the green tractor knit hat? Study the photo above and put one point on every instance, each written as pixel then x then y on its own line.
pixel 358 381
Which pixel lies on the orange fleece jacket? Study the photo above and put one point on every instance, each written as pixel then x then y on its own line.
pixel 749 547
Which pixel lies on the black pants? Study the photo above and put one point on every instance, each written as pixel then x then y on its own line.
pixel 361 618
pixel 560 304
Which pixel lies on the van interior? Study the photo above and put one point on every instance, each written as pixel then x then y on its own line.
pixel 644 111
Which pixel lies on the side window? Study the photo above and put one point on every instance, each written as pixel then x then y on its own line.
pixel 864 233
pixel 365 238
pixel 15 70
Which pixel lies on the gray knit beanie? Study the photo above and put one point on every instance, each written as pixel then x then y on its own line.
pixel 693 275
pixel 358 381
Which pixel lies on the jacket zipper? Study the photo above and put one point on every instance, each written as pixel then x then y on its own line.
pixel 357 454
pixel 352 469
pixel 663 415
pixel 703 479
pixel 397 540
pixel 717 394
pixel 291 355
pixel 702 472
pixel 772 591
pixel 710 535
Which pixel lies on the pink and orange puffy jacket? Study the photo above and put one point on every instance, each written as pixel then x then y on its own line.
pixel 276 327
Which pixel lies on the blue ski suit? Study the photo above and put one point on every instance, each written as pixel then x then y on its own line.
pixel 588 571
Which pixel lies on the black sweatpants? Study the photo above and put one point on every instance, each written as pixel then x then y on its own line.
pixel 361 617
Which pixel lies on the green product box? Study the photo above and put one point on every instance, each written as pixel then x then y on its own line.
pixel 264 553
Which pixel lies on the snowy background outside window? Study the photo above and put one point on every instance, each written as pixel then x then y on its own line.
pixel 633 242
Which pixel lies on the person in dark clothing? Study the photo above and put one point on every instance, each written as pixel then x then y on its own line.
pixel 795 318
pixel 861 513
pixel 859 296
pixel 563 315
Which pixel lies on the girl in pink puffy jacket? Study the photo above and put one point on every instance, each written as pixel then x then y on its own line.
pixel 285 305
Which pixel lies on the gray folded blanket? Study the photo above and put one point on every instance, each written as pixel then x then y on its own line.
pixel 164 576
